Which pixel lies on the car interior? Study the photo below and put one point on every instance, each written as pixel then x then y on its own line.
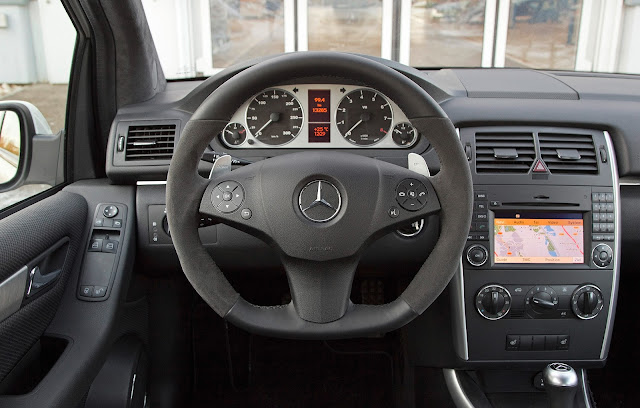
pixel 320 229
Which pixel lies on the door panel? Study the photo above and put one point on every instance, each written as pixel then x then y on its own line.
pixel 44 238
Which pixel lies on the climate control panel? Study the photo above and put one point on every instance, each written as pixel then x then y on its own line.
pixel 494 301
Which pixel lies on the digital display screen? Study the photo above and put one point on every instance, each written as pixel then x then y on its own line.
pixel 538 237
pixel 319 115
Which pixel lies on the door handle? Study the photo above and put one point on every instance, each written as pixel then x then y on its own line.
pixel 38 281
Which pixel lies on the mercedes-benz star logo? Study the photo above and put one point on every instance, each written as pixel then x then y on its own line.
pixel 320 201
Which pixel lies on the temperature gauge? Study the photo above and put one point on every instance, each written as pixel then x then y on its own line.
pixel 234 134
pixel 404 134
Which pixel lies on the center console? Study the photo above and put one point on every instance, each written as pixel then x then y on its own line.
pixel 540 269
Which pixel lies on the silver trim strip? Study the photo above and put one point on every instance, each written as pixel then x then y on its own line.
pixel 455 389
pixel 460 318
pixel 583 385
pixel 12 292
pixel 151 183
pixel 616 265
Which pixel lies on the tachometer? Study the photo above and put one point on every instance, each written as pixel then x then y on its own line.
pixel 364 117
pixel 274 117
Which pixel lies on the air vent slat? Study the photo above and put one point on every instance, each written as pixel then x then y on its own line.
pixel 150 142
pixel 553 145
pixel 490 148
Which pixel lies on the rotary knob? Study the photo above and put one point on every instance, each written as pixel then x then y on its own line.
pixel 541 300
pixel 587 302
pixel 477 255
pixel 493 302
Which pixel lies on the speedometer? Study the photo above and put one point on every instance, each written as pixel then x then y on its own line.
pixel 274 117
pixel 364 117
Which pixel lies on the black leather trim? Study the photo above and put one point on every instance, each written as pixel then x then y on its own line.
pixel 284 322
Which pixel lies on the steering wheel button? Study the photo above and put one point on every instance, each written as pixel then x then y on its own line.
pixel 227 196
pixel 245 213
pixel 216 197
pixel 227 207
pixel 394 212
pixel 228 186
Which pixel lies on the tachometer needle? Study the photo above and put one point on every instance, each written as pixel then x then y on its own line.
pixel 259 132
pixel 352 127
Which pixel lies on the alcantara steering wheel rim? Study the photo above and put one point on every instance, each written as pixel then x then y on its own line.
pixel 320 280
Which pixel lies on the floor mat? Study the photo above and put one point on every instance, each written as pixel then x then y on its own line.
pixel 265 372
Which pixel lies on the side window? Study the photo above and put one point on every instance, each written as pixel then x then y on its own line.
pixel 40 38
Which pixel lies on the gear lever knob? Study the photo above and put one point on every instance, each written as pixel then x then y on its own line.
pixel 560 383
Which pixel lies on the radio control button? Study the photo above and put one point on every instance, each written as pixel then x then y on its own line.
pixel 602 197
pixel 482 227
pixel 596 227
pixel 596 217
pixel 609 217
pixel 609 227
pixel 480 216
pixel 595 207
pixel 608 197
pixel 597 237
pixel 477 255
pixel 481 196
pixel 494 203
pixel 602 254
pixel 595 197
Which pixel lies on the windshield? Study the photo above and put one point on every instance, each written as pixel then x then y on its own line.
pixel 199 37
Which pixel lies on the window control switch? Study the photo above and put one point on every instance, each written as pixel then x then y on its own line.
pixel 95 245
pixel 110 246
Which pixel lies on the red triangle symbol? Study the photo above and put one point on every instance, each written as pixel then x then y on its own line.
pixel 540 167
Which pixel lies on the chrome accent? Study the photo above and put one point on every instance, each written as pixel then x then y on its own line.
pixel 420 225
pixel 616 256
pixel 560 375
pixel 485 252
pixel 151 183
pixel 583 385
pixel 455 389
pixel 495 286
pixel 12 292
pixel 460 320
pixel 319 200
pixel 417 164
pixel 220 166
pixel 594 251
pixel 31 275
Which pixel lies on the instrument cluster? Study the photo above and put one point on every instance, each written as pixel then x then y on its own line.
pixel 319 116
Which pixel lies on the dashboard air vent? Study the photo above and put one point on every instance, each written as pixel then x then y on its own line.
pixel 568 153
pixel 511 152
pixel 150 142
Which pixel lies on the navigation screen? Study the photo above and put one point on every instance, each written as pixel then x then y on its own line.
pixel 538 237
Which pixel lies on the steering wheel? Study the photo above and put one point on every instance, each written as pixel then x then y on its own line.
pixel 319 209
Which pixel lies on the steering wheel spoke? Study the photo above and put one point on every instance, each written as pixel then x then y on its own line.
pixel 320 291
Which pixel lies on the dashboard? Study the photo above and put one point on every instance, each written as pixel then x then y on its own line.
pixel 547 158
pixel 329 116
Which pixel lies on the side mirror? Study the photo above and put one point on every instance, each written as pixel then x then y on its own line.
pixel 29 153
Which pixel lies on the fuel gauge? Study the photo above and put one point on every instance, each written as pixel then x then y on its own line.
pixel 404 134
pixel 234 134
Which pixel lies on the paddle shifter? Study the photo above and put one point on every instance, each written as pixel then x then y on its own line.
pixel 560 383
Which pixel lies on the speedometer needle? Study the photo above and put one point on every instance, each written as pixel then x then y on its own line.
pixel 352 127
pixel 259 132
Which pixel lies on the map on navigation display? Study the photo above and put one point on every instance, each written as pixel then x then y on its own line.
pixel 539 240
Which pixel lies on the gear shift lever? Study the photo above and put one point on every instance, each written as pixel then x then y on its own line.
pixel 560 383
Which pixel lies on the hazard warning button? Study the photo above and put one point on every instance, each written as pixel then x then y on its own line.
pixel 540 167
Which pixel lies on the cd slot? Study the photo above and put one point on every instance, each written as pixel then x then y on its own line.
pixel 539 204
